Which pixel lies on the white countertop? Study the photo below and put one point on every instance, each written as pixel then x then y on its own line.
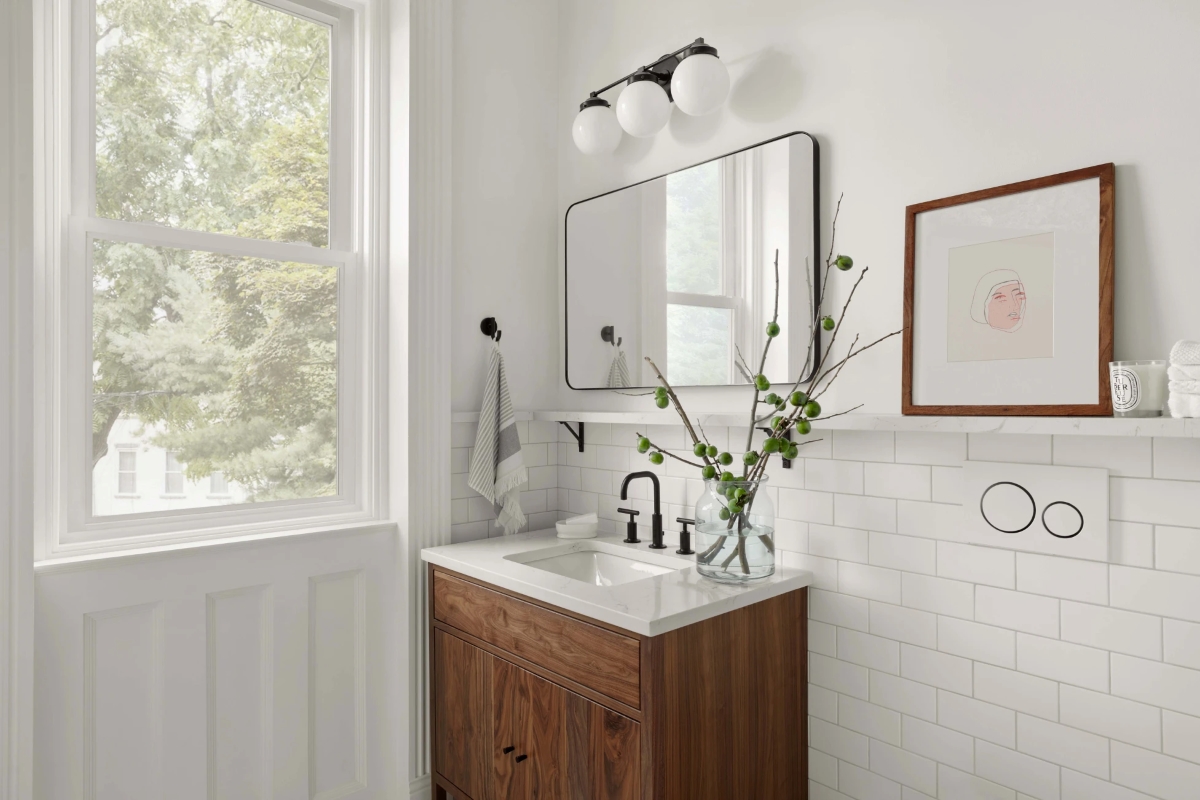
pixel 649 606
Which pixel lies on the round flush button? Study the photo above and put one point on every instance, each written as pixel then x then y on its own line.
pixel 1062 519
pixel 1008 507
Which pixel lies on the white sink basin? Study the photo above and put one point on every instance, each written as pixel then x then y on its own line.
pixel 601 563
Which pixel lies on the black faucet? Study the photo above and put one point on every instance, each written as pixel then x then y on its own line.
pixel 656 528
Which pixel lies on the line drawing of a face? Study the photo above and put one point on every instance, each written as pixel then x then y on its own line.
pixel 999 301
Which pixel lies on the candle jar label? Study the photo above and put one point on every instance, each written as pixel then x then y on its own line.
pixel 1125 389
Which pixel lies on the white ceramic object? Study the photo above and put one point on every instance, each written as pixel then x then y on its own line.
pixel 596 131
pixel 650 606
pixel 700 84
pixel 643 108
pixel 579 530
pixel 600 564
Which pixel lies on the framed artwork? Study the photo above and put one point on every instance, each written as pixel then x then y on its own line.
pixel 1008 299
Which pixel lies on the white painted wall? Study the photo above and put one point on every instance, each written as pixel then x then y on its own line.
pixel 504 219
pixel 915 101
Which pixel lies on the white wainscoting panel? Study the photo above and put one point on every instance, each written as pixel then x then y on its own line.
pixel 253 671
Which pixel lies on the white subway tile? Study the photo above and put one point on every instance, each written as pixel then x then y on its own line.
pixel 789 534
pixel 978 719
pixel 1120 455
pixel 838 742
pixel 1077 786
pixel 612 458
pixel 870 513
pixel 543 478
pixel 460 461
pixel 838 609
pixel 838 676
pixel 806 506
pixel 940 744
pixel 1114 717
pixel 818 444
pixel 939 595
pixel 819 791
pixel 822 703
pixel 863 785
pixel 967 562
pixel 1164 593
pixel 1155 501
pixel 534 502
pixel 460 511
pixel 1112 629
pixel 1061 745
pixel 822 638
pixel 1177 459
pixel 844 544
pixel 1177 549
pixel 903 695
pixel 1163 685
pixel 1024 773
pixel 478 509
pixel 583 502
pixel 792 478
pixel 869 719
pixel 868 651
pixel 1016 690
pixel 459 489
pixel 600 481
pixel 903 767
pixel 955 784
pixel 1086 581
pixel 930 520
pixel 822 475
pixel 901 481
pixel 822 768
pixel 936 669
pixel 1130 543
pixel 1063 662
pixel 1014 448
pixel 905 553
pixel 873 583
pixel 569 478
pixel 1181 736
pixel 1181 643
pixel 947 449
pixel 824 570
pixel 1158 775
pixel 947 485
pixel 536 455
pixel 543 431
pixel 462 434
pixel 904 624
pixel 912 794
pixel 468 532
pixel 977 642
pixel 1030 613
pixel 864 445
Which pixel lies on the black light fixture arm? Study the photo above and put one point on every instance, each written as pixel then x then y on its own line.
pixel 669 62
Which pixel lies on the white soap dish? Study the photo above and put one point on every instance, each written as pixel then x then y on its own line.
pixel 581 527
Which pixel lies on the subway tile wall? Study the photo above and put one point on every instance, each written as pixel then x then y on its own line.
pixel 940 669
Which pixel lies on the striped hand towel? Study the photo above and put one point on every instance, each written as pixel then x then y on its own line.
pixel 618 371
pixel 498 467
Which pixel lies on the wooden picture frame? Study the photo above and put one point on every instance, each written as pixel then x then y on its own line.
pixel 1103 405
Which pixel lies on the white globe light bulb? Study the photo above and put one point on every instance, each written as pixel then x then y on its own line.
pixel 700 84
pixel 595 130
pixel 643 108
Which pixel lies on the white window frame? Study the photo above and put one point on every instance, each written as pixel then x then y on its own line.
pixel 121 451
pixel 66 228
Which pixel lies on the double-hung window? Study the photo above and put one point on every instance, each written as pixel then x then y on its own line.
pixel 209 286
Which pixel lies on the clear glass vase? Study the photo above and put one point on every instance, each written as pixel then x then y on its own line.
pixel 735 531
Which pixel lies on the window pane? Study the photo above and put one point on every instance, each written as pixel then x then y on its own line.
pixel 698 345
pixel 213 116
pixel 127 475
pixel 217 483
pixel 694 230
pixel 228 363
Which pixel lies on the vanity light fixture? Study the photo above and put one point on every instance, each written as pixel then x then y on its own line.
pixel 693 77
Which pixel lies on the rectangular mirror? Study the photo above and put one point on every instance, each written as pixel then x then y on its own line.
pixel 680 268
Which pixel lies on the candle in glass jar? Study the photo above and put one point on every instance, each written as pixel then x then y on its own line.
pixel 1139 388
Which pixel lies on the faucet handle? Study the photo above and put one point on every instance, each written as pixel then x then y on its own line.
pixel 631 536
pixel 685 537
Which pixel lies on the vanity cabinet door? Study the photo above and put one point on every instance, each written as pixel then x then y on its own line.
pixel 603 753
pixel 462 714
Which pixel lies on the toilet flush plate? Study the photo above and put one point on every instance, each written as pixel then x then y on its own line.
pixel 1060 511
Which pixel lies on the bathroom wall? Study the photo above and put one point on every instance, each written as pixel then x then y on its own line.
pixel 937 668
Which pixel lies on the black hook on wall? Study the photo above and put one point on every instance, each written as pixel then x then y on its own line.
pixel 490 329
pixel 608 333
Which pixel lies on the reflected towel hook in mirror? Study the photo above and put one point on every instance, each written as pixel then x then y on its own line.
pixel 490 329
pixel 608 333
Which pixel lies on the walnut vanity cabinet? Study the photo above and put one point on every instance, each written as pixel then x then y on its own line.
pixel 533 703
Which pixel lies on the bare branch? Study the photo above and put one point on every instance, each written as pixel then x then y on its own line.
pixel 669 454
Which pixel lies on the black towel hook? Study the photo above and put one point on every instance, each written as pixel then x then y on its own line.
pixel 608 333
pixel 490 329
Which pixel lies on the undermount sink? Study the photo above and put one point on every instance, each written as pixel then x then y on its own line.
pixel 600 563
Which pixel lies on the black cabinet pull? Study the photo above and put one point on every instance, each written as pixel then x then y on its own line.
pixel 508 750
pixel 521 758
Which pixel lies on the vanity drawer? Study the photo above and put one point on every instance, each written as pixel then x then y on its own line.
pixel 598 658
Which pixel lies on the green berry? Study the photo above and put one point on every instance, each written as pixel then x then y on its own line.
pixel 777 423
pixel 725 458
pixel 827 323
pixel 741 493
pixel 734 508
pixel 700 449
pixel 660 391
pixel 799 398
pixel 656 458
pixel 803 427
pixel 712 451
pixel 643 444
pixel 723 513
pixel 792 452
pixel 772 329
pixel 726 476
pixel 773 445
pixel 662 402
pixel 844 262
pixel 812 409
pixel 731 492
pixel 709 472
pixel 772 398
pixel 761 383
pixel 781 405
pixel 750 459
